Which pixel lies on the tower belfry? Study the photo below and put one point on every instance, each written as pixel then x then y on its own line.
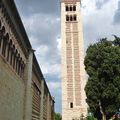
pixel 73 73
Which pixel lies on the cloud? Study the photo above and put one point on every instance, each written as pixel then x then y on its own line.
pixel 43 30
pixel 117 15
pixel 42 27
pixel 28 7
pixel 54 85
pixel 94 4
pixel 98 23
pixel 100 3
pixel 52 69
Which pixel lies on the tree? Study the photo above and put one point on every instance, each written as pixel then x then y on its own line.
pixel 90 116
pixel 57 116
pixel 102 64
pixel 116 42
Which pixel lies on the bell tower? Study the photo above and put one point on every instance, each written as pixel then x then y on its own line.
pixel 72 56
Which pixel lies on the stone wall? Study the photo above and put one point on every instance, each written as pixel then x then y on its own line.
pixel 11 93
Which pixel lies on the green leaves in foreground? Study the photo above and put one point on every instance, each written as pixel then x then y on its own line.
pixel 57 116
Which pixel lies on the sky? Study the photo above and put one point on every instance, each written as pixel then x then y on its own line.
pixel 41 19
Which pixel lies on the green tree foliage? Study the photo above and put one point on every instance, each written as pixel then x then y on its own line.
pixel 102 64
pixel 91 117
pixel 57 116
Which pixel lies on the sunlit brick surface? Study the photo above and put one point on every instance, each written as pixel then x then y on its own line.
pixel 73 73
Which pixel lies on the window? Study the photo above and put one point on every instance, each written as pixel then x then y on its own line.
pixel 70 8
pixel 67 18
pixel 75 18
pixel 74 8
pixel 2 33
pixel 67 8
pixel 18 63
pixel 71 18
pixel 71 105
pixel 4 46
pixel 10 52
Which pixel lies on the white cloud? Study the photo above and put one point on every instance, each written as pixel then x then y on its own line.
pixel 54 85
pixel 59 43
pixel 98 23
pixel 44 28
pixel 88 6
pixel 51 69
pixel 117 15
pixel 42 50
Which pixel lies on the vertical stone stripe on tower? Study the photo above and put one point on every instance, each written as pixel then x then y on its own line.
pixel 76 64
pixel 69 64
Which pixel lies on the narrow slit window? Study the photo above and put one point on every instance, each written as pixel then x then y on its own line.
pixel 67 8
pixel 75 18
pixel 70 8
pixel 67 18
pixel 74 8
pixel 71 105
pixel 4 47
pixel 71 18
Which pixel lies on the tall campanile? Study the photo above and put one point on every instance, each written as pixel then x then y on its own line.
pixel 73 73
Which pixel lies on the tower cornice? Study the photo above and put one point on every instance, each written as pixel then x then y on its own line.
pixel 70 1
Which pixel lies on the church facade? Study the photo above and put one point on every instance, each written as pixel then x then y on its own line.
pixel 73 72
pixel 24 94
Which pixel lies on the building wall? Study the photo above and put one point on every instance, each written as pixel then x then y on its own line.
pixel 22 94
pixel 12 85
pixel 38 99
pixel 12 89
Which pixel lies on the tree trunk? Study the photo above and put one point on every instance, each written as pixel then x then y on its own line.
pixel 103 116
pixel 101 110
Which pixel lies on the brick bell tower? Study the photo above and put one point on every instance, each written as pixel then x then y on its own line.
pixel 72 56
